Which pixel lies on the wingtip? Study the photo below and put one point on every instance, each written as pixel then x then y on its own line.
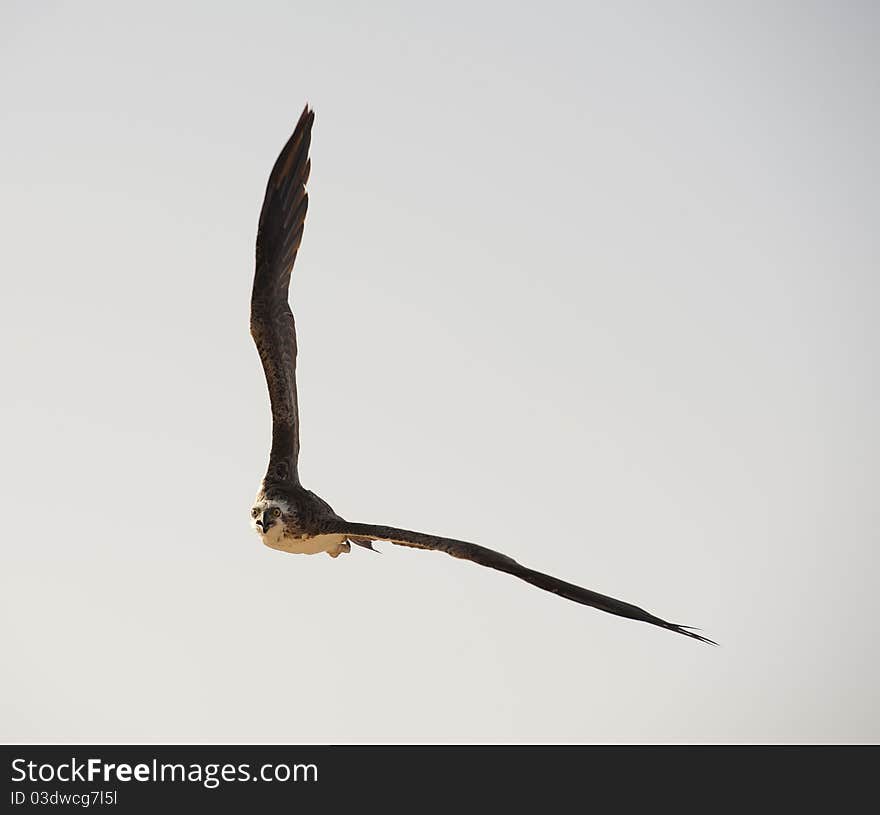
pixel 690 631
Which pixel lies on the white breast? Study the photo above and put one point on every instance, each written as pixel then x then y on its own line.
pixel 331 544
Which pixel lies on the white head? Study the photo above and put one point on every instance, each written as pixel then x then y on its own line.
pixel 267 518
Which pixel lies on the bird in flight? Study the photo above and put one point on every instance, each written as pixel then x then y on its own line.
pixel 286 515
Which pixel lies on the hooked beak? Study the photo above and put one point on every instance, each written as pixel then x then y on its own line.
pixel 266 520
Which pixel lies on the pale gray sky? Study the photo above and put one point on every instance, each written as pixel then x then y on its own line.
pixel 593 284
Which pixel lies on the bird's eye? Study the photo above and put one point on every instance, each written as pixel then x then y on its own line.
pixel 254 512
pixel 276 513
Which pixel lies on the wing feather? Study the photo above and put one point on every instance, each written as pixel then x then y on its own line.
pixel 496 560
pixel 279 235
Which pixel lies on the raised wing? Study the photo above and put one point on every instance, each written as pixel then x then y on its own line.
pixel 272 326
pixel 495 560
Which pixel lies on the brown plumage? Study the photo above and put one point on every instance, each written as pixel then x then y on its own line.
pixel 272 326
pixel 288 516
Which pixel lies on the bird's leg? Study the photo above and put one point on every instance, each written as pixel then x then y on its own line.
pixel 343 548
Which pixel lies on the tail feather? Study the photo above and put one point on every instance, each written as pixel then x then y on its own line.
pixel 367 543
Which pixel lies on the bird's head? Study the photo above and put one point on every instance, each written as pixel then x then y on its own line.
pixel 268 517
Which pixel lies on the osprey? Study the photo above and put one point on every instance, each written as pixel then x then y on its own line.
pixel 286 515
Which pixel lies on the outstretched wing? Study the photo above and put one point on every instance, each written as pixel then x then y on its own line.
pixel 496 560
pixel 272 326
